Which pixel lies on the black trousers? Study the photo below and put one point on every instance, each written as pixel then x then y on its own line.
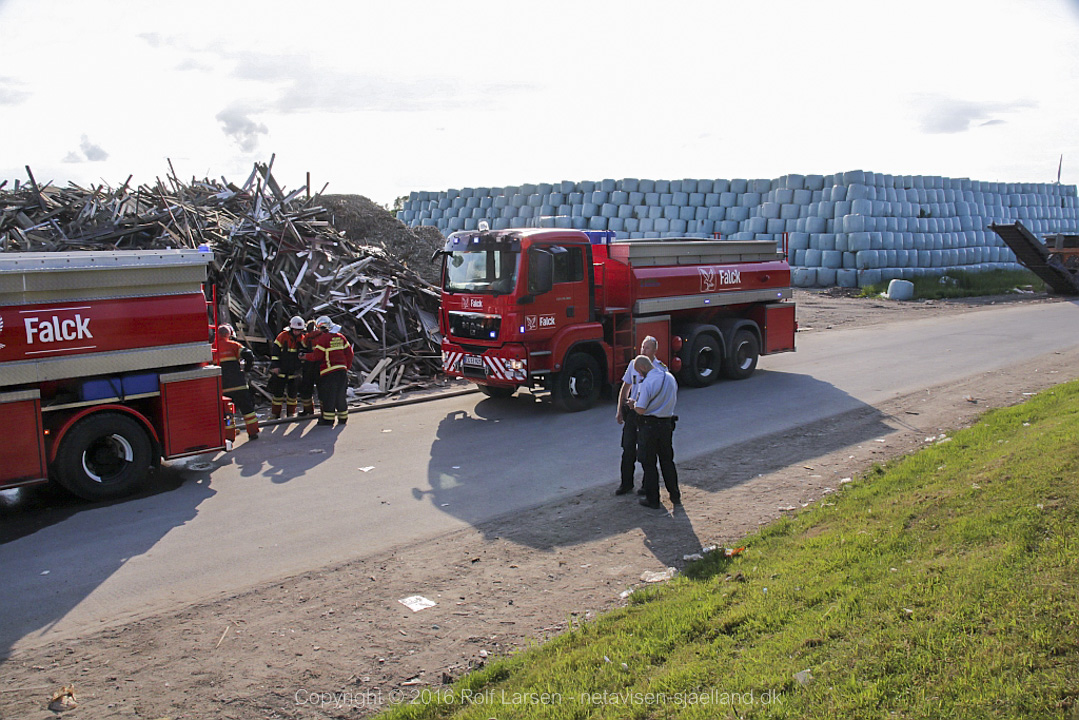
pixel 656 442
pixel 333 396
pixel 308 379
pixel 629 445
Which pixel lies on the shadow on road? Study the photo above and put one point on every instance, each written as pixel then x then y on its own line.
pixel 42 520
pixel 46 522
pixel 727 434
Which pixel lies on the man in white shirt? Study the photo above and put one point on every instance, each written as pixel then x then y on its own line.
pixel 654 406
pixel 631 382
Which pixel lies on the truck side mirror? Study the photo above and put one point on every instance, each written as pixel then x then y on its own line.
pixel 540 271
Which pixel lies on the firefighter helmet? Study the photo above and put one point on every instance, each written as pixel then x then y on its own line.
pixel 296 323
pixel 225 331
pixel 323 322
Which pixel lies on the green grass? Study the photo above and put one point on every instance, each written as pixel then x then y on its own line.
pixel 966 284
pixel 943 585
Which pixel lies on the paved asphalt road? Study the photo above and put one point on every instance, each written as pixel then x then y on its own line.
pixel 304 497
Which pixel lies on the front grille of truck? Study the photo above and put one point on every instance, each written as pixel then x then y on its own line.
pixel 475 326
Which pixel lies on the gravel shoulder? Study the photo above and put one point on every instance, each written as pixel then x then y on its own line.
pixel 275 649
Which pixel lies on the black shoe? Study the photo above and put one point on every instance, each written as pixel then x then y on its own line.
pixel 641 492
pixel 623 490
pixel 326 423
pixel 252 436
pixel 649 504
pixel 342 422
pixel 676 499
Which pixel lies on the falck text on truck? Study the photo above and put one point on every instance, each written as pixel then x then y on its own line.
pixel 54 329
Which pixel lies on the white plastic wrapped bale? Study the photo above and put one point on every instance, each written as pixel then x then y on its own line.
pixel 680 199
pixel 705 186
pixel 646 186
pixel 661 225
pixel 803 277
pixel 816 224
pixel 750 199
pixel 678 227
pixel 812 258
pixel 563 221
pixel 755 225
pixel 687 212
pixel 798 241
pixel 790 212
pixel 846 278
pixel 738 213
pixel 671 212
pixel 728 199
pixel 625 211
pixel 869 277
pixel 646 225
pixel 831 259
pixel 629 185
pixel 776 226
pixel 616 224
pixel 826 277
pixel 609 210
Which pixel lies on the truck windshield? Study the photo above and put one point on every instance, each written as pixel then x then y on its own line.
pixel 481 271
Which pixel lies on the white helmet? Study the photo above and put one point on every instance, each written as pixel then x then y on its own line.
pixel 323 322
pixel 297 323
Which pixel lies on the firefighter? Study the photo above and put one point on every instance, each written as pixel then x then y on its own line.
pixel 335 355
pixel 309 371
pixel 285 368
pixel 234 360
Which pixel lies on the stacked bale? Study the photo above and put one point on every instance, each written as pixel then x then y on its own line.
pixel 849 229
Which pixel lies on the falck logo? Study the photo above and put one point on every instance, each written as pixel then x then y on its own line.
pixel 2 345
pixel 708 279
pixel 531 322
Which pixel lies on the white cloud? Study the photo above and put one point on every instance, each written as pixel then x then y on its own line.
pixel 238 124
pixel 12 92
pixel 953 115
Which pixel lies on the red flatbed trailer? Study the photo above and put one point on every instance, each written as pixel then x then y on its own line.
pixel 104 368
pixel 566 310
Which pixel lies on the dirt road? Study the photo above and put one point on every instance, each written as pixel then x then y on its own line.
pixel 276 650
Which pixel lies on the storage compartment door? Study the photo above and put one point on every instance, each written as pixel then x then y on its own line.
pixel 659 327
pixel 192 420
pixel 778 328
pixel 22 454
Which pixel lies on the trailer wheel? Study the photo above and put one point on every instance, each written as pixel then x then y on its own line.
pixel 704 361
pixel 103 456
pixel 577 387
pixel 744 353
pixel 497 391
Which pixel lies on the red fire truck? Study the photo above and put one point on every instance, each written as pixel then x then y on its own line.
pixel 104 367
pixel 566 310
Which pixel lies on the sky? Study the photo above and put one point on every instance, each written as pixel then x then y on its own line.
pixel 381 99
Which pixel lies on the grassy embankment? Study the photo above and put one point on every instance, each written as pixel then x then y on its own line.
pixel 967 284
pixel 943 585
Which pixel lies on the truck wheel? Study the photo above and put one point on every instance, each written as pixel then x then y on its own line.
pixel 497 392
pixel 703 363
pixel 743 359
pixel 577 386
pixel 103 456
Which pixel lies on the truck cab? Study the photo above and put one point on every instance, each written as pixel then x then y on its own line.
pixel 513 304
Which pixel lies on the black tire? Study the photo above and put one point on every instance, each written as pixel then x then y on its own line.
pixel 578 385
pixel 497 392
pixel 745 350
pixel 104 456
pixel 703 362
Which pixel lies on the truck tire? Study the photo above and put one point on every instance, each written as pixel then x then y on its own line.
pixel 703 362
pixel 497 391
pixel 745 349
pixel 578 386
pixel 104 456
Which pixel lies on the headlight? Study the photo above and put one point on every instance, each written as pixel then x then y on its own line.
pixel 516 364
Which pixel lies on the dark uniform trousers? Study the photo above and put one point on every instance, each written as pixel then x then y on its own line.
pixel 655 441
pixel 629 445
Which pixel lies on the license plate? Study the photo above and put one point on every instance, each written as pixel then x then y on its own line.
pixel 474 361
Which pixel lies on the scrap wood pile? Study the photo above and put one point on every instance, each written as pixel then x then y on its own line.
pixel 276 254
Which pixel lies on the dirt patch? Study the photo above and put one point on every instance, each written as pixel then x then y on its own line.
pixel 276 650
